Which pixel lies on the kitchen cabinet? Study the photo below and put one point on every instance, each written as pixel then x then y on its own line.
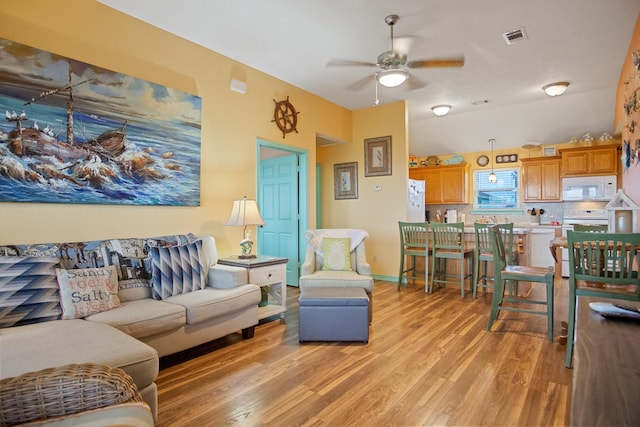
pixel 541 179
pixel 584 161
pixel 446 184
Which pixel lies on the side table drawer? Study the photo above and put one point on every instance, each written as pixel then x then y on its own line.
pixel 272 273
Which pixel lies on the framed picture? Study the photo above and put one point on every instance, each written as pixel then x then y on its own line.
pixel 345 180
pixel 92 137
pixel 377 156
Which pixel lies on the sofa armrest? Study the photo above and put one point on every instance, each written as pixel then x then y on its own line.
pixel 363 267
pixel 309 265
pixel 227 276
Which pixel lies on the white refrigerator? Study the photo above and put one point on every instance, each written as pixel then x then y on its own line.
pixel 415 201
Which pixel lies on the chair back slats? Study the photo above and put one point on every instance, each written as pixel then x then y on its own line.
pixel 497 247
pixel 607 258
pixel 600 228
pixel 447 236
pixel 483 241
pixel 413 234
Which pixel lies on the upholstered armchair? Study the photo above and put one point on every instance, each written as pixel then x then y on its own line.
pixel 324 266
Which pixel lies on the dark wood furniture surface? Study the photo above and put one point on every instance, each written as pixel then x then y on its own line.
pixel 606 377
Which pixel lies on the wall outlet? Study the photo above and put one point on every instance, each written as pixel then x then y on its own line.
pixel 377 188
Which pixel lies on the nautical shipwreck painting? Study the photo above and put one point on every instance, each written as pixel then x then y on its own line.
pixel 77 133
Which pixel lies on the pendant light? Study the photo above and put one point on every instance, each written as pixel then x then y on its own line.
pixel 492 176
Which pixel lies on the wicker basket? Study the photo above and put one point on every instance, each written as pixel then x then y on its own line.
pixel 64 390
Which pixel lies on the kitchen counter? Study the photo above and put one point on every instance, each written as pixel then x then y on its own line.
pixel 520 228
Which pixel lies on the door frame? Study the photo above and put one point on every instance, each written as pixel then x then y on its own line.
pixel 303 189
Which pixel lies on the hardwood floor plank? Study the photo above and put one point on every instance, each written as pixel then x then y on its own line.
pixel 430 361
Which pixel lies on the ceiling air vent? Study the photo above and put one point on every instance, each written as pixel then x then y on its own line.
pixel 327 141
pixel 514 36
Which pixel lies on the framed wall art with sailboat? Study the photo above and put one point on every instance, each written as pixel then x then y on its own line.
pixel 77 133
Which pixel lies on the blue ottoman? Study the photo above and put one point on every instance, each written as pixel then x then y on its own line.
pixel 333 314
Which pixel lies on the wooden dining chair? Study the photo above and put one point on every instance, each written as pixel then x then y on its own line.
pixel 602 265
pixel 504 273
pixel 447 243
pixel 414 243
pixel 484 254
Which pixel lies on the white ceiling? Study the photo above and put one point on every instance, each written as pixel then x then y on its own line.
pixel 580 41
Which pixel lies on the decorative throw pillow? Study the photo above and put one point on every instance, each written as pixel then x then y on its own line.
pixel 336 254
pixel 87 291
pixel 28 290
pixel 176 270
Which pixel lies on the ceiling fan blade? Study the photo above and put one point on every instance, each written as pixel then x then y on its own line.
pixel 404 44
pixel 342 62
pixel 359 84
pixel 414 83
pixel 436 63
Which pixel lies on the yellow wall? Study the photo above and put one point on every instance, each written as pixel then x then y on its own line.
pixel 231 122
pixel 378 212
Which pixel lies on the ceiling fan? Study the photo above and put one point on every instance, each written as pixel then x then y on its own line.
pixel 392 63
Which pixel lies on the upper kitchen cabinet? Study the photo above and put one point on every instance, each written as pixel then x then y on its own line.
pixel 541 179
pixel 446 184
pixel 585 161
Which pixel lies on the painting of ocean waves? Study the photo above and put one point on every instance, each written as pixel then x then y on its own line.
pixel 74 133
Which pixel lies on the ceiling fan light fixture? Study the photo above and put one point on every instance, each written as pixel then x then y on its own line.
pixel 392 78
pixel 440 110
pixel 555 89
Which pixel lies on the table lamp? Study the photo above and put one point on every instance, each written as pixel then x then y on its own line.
pixel 244 213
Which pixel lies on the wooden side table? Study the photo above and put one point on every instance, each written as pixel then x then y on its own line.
pixel 270 273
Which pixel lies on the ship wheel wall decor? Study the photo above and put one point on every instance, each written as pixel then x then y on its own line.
pixel 285 116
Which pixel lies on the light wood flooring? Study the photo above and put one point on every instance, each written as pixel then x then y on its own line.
pixel 429 361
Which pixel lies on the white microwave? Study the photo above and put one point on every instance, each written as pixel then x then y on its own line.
pixel 587 188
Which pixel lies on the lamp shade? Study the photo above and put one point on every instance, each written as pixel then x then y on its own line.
pixel 441 110
pixel 555 89
pixel 244 212
pixel 392 78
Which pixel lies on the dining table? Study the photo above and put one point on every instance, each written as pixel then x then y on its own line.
pixel 605 368
pixel 555 244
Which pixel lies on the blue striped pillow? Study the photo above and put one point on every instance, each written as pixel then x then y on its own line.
pixel 28 290
pixel 176 270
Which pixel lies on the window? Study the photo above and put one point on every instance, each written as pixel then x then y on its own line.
pixel 502 194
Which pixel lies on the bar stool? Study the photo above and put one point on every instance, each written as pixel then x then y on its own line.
pixel 447 242
pixel 413 242
pixel 515 273
pixel 484 254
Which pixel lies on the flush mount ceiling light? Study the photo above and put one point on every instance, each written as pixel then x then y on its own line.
pixel 441 110
pixel 392 78
pixel 555 89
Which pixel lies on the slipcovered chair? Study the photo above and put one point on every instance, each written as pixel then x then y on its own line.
pixel 341 268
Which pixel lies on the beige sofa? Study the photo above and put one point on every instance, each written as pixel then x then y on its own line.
pixel 134 335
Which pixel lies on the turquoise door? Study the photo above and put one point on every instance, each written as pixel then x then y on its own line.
pixel 278 204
